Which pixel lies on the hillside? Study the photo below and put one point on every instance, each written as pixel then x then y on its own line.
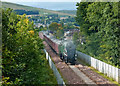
pixel 72 12
pixel 29 8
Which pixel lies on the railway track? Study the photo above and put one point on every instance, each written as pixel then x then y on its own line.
pixel 87 80
pixel 90 77
pixel 77 74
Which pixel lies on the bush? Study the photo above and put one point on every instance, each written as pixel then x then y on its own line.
pixel 23 59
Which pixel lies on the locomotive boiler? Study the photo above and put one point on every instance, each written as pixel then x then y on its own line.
pixel 64 48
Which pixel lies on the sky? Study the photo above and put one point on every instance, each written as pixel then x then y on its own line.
pixel 14 1
pixel 41 1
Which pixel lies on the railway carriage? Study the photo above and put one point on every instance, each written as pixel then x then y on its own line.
pixel 64 48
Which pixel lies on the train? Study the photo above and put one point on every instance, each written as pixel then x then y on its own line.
pixel 66 49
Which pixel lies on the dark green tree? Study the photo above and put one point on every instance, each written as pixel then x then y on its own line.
pixel 23 59
pixel 99 24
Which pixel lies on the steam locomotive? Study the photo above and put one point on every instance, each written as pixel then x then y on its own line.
pixel 64 48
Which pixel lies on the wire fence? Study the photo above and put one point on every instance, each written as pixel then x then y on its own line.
pixel 56 72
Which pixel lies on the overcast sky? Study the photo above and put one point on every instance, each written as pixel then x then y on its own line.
pixel 41 0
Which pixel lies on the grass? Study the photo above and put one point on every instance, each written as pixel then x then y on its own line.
pixel 105 76
pixel 102 74
pixel 73 12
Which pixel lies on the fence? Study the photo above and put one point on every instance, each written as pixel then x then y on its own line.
pixel 103 67
pixel 56 73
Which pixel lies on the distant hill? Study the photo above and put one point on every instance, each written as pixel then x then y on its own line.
pixel 72 12
pixel 42 11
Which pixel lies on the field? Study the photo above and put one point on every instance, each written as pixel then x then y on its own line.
pixel 72 12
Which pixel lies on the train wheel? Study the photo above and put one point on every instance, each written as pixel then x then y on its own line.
pixel 61 57
pixel 66 60
pixel 73 62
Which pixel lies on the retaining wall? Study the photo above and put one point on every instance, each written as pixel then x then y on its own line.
pixel 103 67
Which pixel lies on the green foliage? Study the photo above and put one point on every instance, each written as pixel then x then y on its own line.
pixel 57 29
pixel 23 58
pixel 21 12
pixel 53 26
pixel 99 24
pixel 76 38
pixel 60 33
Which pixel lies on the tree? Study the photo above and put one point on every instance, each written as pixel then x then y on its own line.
pixel 59 33
pixel 22 52
pixel 81 17
pixel 99 24
pixel 53 26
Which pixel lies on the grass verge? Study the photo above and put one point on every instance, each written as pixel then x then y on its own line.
pixel 95 70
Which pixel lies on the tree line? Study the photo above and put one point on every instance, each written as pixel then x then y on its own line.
pixel 99 30
pixel 21 12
